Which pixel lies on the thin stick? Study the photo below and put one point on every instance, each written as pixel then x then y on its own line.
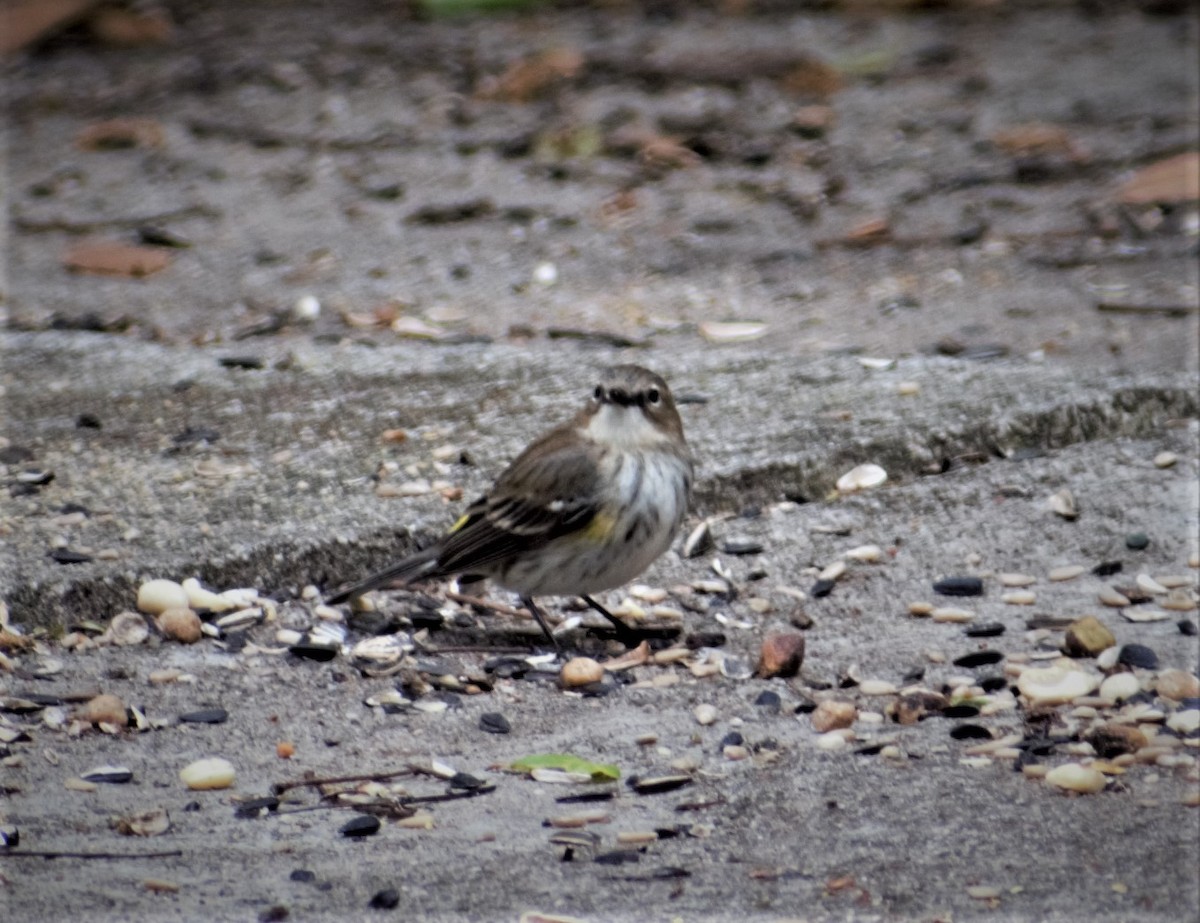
pixel 487 604
pixel 280 787
pixel 53 854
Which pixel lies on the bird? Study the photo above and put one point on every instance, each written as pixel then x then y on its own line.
pixel 586 507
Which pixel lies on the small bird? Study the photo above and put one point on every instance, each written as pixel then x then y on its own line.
pixel 586 507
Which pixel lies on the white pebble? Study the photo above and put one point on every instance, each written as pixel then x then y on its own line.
pixel 208 774
pixel 1185 721
pixel 836 739
pixel 705 714
pixel 862 477
pixel 545 273
pixel 1118 687
pixel 1055 684
pixel 155 596
pixel 1075 777
pixel 307 308
pixel 1165 459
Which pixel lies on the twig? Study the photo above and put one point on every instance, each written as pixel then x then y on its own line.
pixel 54 854
pixel 1125 307
pixel 482 603
pixel 280 787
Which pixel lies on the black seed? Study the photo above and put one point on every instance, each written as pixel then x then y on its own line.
pixel 241 362
pixel 10 836
pixel 769 700
pixel 732 739
pixel 65 556
pixel 979 659
pixel 701 639
pixel 657 785
pixel 88 421
pixel 257 807
pixel 303 875
pixel 970 732
pixel 430 620
pixel 361 825
pixel 387 899
pixel 312 650
pixel 805 706
pixel 194 434
pixel 465 782
pixel 276 914
pixel 41 699
pixel 113 775
pixel 15 455
pixel 1138 655
pixel 959 586
pixel 1107 568
pixel 871 749
pixel 205 716
pixel 960 711
pixel 984 630
pixel 494 723
pixel 821 589
pixel 586 797
pixel 619 857
pixel 1187 627
pixel 993 683
pixel 192 806
pixel 1137 541
pixel 741 546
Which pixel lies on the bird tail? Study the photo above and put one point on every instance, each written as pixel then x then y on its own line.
pixel 415 567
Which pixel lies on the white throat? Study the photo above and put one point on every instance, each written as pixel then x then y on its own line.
pixel 623 428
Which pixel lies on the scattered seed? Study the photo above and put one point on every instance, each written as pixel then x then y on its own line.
pixel 740 545
pixel 983 893
pixel 1056 684
pixel 832 571
pixel 1017 580
pixel 1145 614
pixel 959 586
pixel 1019 597
pixel 180 624
pixel 208 774
pixel 112 775
pixel 1067 572
pixel 705 714
pixel 580 671
pixel 920 609
pixel 951 614
pixel 835 740
pixel 866 554
pixel 874 687
pixel 862 477
pixel 832 714
pixel 361 825
pixel 1165 460
pixel 984 630
pixel 979 659
pixel 494 723
pixel 1150 585
pixel 385 899
pixel 657 785
pixel 1119 687
pixel 699 541
pixel 157 596
pixel 205 716
pixel 1063 504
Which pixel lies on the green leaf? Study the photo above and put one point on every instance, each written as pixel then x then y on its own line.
pixel 566 762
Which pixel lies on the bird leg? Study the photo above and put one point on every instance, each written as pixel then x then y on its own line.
pixel 624 630
pixel 541 620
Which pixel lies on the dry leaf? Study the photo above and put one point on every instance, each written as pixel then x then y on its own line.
pixel 110 257
pixel 114 134
pixel 1037 138
pixel 1176 179
pixel 812 77
pixel 525 79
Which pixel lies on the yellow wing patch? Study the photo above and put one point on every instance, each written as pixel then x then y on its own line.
pixel 600 528
pixel 462 521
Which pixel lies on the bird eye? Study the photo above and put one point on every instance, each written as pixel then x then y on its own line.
pixel 599 392
pixel 653 396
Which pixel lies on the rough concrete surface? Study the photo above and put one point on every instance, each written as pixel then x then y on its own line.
pixel 357 154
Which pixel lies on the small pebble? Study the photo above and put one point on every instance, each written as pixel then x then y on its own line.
pixel 1185 721
pixel 1087 637
pixel 580 671
pixel 1055 684
pixel 1139 656
pixel 1118 687
pixel 208 774
pixel 1110 597
pixel 386 899
pixel 1137 541
pixel 1063 504
pixel 1067 572
pixel 835 740
pixel 1074 777
pixel 862 477
pixel 768 700
pixel 104 709
pixel 1165 460
pixel 1177 685
pixel 781 654
pixel 1111 740
pixel 361 825
pixel 180 624
pixel 156 596
pixel 494 723
pixel 832 714
pixel 127 629
pixel 705 714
